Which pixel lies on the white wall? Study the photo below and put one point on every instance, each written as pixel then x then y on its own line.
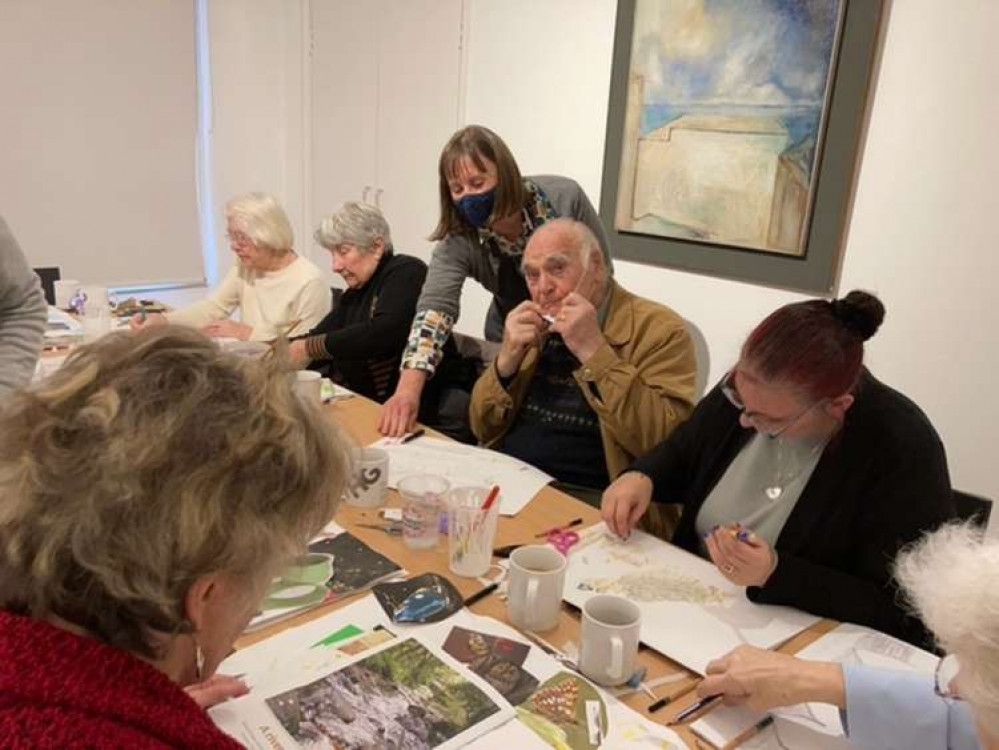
pixel 922 232
pixel 258 137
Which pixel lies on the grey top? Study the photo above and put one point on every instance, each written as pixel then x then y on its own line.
pixel 23 315
pixel 458 257
pixel 760 487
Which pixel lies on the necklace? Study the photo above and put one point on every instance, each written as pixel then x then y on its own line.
pixel 789 459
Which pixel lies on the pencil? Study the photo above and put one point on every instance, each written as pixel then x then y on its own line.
pixel 413 435
pixel 754 730
pixel 573 522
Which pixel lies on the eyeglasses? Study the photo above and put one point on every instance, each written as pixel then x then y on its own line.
pixel 947 670
pixel 767 426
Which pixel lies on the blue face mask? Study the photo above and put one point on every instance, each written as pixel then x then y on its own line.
pixel 477 208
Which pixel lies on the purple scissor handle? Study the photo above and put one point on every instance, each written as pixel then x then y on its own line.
pixel 563 540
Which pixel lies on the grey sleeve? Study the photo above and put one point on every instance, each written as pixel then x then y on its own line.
pixel 23 314
pixel 449 267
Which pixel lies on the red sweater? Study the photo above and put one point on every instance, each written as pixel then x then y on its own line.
pixel 59 690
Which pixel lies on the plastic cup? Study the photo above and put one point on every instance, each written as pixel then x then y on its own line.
pixel 422 500
pixel 471 531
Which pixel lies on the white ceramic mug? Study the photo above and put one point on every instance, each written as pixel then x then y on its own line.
pixel 611 626
pixel 309 385
pixel 534 593
pixel 98 300
pixel 65 290
pixel 369 485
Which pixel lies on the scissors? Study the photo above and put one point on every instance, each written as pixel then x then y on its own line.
pixel 563 540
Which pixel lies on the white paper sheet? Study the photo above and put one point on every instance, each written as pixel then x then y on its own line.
pixel 466 466
pixel 263 663
pixel 690 612
pixel 846 644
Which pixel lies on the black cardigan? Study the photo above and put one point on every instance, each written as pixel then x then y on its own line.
pixel 364 335
pixel 881 482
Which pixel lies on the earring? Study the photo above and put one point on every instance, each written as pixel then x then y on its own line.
pixel 199 661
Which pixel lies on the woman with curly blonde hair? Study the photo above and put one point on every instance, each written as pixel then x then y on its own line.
pixel 151 488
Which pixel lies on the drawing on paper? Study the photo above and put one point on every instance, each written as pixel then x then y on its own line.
pixel 566 712
pixel 690 612
pixel 724 120
pixel 401 696
pixel 658 586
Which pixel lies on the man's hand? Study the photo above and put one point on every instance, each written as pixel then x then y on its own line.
pixel 625 502
pixel 399 413
pixel 763 680
pixel 578 325
pixel 523 329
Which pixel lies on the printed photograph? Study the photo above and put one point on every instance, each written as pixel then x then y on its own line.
pixel 499 661
pixel 403 697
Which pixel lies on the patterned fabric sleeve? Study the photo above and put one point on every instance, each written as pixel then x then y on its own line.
pixel 425 347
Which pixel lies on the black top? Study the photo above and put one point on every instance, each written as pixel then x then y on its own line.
pixel 556 429
pixel 881 481
pixel 364 335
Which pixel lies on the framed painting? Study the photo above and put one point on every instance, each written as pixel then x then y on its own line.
pixel 733 132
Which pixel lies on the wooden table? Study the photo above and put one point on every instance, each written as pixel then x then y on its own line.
pixel 358 417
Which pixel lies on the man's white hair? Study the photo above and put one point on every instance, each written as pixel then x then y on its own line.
pixel 580 236
pixel 263 220
pixel 949 577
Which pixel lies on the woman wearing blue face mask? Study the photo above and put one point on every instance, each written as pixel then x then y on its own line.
pixel 488 212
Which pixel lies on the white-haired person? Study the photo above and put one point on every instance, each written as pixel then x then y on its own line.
pixel 276 291
pixel 949 579
pixel 359 344
pixel 151 489
pixel 589 376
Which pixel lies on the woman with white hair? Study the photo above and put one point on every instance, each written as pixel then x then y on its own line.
pixel 360 343
pixel 277 292
pixel 152 487
pixel 949 579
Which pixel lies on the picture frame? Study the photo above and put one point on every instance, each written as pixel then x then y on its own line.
pixel 811 260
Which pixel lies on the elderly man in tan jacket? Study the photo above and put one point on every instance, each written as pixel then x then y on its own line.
pixel 589 376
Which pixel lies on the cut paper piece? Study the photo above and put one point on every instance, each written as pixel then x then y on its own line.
pixel 846 644
pixel 330 391
pixel 466 466
pixel 557 712
pixel 499 661
pixel 334 569
pixel 404 694
pixel 690 612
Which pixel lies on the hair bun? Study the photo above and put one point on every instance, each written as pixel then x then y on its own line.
pixel 860 313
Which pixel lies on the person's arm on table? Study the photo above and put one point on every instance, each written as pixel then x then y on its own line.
pixel 217 306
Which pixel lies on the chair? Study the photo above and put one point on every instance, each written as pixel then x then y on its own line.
pixel 49 276
pixel 972 508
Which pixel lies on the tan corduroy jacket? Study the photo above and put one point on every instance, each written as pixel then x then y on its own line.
pixel 640 383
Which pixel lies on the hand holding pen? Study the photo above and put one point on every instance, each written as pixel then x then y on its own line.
pixel 742 556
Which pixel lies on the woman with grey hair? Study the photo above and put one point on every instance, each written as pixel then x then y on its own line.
pixel 949 579
pixel 151 489
pixel 360 343
pixel 277 292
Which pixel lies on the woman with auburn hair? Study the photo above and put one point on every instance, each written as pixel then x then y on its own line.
pixel 801 475
pixel 488 213
pixel 277 292
pixel 152 487
pixel 948 578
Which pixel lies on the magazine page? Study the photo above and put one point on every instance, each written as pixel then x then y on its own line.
pixel 403 693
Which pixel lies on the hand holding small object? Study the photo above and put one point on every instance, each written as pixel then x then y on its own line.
pixel 744 558
pixel 625 502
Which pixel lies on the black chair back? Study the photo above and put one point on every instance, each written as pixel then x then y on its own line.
pixel 973 508
pixel 49 276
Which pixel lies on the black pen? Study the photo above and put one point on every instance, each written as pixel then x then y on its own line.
pixel 693 709
pixel 415 434
pixel 480 595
